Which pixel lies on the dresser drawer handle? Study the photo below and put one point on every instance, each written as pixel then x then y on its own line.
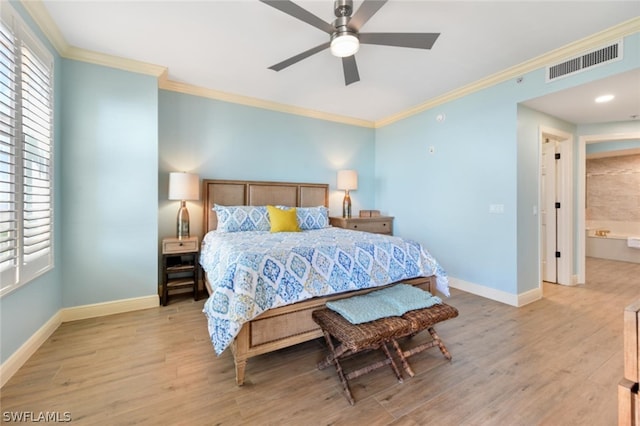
pixel 355 226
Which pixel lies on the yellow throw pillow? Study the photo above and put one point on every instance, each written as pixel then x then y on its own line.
pixel 283 220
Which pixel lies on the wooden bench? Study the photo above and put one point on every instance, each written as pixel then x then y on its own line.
pixel 356 338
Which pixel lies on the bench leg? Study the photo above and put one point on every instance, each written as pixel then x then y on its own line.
pixel 329 359
pixel 394 367
pixel 333 358
pixel 439 342
pixel 403 359
pixel 378 364
pixel 423 347
pixel 403 355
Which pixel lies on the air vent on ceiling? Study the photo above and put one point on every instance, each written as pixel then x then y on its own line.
pixel 610 53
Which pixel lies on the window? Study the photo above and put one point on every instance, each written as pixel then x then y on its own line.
pixel 26 154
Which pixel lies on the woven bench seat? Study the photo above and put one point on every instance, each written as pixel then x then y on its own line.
pixel 355 338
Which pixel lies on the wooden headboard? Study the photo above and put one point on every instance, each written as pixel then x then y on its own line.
pixel 256 193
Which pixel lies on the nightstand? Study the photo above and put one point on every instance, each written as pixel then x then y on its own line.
pixel 180 267
pixel 376 225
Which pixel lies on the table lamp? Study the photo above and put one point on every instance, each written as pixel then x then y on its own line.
pixel 347 180
pixel 183 187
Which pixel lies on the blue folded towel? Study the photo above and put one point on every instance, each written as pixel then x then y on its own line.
pixel 388 302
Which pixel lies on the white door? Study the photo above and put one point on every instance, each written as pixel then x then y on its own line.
pixel 548 212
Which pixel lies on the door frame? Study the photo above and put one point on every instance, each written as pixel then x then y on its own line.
pixel 565 196
pixel 581 240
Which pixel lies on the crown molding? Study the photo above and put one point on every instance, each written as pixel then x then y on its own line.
pixel 596 40
pixel 92 57
pixel 42 18
pixel 189 89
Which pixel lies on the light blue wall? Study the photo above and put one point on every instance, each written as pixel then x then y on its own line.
pixel 109 178
pixel 28 308
pixel 614 128
pixel 442 199
pixel 485 153
pixel 608 146
pixel 221 140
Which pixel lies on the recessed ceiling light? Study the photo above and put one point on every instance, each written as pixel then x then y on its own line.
pixel 604 98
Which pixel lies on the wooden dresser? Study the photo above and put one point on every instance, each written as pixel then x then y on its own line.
pixel 376 225
pixel 628 394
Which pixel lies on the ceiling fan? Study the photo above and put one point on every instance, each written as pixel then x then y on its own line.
pixel 345 35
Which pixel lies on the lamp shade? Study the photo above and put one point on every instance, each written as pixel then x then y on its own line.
pixel 347 179
pixel 184 186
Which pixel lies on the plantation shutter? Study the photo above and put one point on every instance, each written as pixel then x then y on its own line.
pixel 26 154
pixel 36 163
pixel 8 176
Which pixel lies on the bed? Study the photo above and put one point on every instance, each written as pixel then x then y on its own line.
pixel 266 329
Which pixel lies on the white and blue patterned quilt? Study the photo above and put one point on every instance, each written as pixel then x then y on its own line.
pixel 251 272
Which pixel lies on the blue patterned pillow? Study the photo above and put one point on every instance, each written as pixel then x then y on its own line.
pixel 242 218
pixel 311 217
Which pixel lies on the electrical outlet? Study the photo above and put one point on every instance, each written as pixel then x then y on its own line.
pixel 496 208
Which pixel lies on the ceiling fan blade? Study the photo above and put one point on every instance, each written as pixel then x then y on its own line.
pixel 292 9
pixel 414 40
pixel 365 12
pixel 300 56
pixel 350 70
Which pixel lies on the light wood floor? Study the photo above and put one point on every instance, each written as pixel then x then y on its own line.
pixel 554 362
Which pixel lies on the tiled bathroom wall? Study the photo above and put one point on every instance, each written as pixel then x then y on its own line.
pixel 613 188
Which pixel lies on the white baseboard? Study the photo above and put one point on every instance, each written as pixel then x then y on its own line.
pixel 529 296
pixel 516 300
pixel 108 308
pixel 28 348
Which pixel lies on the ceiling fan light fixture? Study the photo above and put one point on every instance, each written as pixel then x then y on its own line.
pixel 345 44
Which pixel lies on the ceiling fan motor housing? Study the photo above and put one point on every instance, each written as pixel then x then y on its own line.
pixel 343 8
pixel 341 25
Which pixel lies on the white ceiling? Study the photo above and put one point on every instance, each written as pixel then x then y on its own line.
pixel 228 46
pixel 577 105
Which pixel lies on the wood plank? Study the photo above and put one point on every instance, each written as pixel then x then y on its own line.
pixel 627 393
pixel 632 342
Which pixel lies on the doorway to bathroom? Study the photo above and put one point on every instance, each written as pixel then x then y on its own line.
pixel 624 143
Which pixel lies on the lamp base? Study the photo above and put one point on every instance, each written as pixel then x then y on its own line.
pixel 346 205
pixel 183 222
